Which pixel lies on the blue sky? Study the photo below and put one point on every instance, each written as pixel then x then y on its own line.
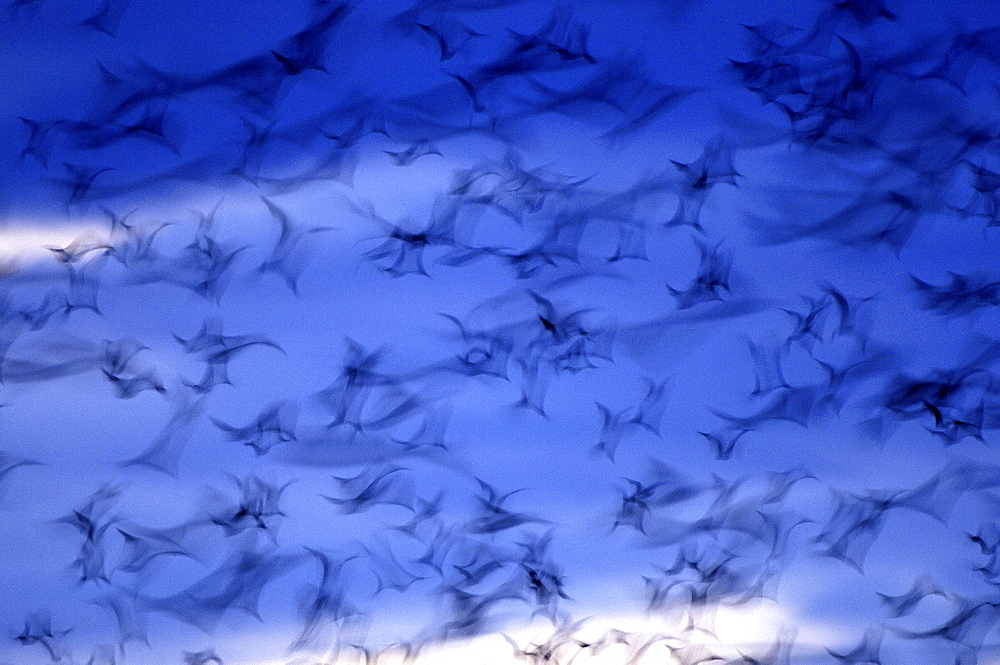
pixel 667 328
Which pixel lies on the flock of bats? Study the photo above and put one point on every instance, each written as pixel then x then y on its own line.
pixel 804 274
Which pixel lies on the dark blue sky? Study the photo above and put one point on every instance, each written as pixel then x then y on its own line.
pixel 666 332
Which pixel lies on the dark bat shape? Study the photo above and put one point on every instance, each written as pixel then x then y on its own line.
pixel 38 630
pixel 9 463
pixel 903 604
pixel 286 256
pixel 324 602
pixel 372 489
pixel 236 584
pixel 389 572
pixel 266 431
pixel 613 427
pixel 203 657
pixel 412 153
pixel 486 353
pixel 635 505
pixel 258 508
pixel 493 516
pixel 449 34
pixel 867 651
pixel 142 546
pixel 128 387
pixel 108 17
pixel 118 354
pixel 39 143
pixel 968 627
pixel 129 618
pixel 79 181
pixel 711 280
pixel 724 440
pixel 164 453
pixel 963 295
